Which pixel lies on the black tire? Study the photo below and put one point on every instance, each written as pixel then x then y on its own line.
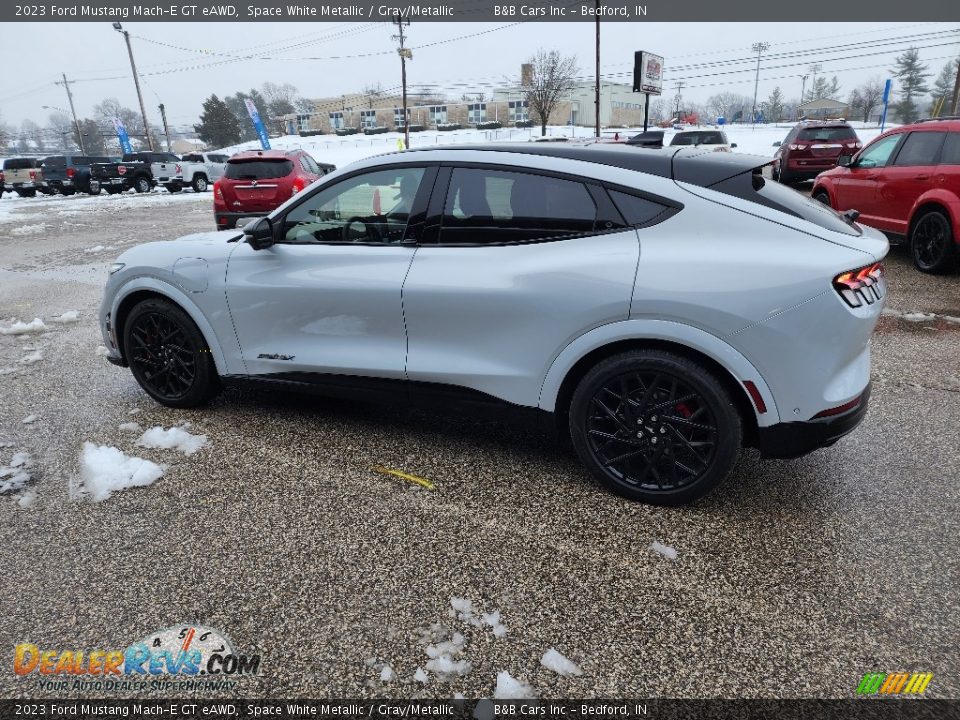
pixel 27 193
pixel 168 355
pixel 94 187
pixel 200 183
pixel 173 187
pixel 932 244
pixel 142 185
pixel 822 196
pixel 689 434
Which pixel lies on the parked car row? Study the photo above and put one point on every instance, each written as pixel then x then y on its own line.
pixel 141 171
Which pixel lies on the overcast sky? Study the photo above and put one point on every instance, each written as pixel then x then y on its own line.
pixel 183 63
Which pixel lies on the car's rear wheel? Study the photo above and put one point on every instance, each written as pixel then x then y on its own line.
pixel 141 185
pixel 168 355
pixel 932 244
pixel 655 427
pixel 199 183
pixel 822 196
pixel 94 188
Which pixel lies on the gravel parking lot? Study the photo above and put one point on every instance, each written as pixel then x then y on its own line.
pixel 792 580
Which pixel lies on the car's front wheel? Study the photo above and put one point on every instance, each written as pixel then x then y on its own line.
pixel 822 196
pixel 168 355
pixel 655 427
pixel 931 243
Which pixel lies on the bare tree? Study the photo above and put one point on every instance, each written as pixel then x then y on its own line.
pixel 373 93
pixel 867 97
pixel 30 131
pixel 61 128
pixel 727 104
pixel 552 77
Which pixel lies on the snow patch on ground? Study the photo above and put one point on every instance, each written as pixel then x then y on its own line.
pixel 421 675
pixel 102 350
pixel 29 419
pixel 27 499
pixel 32 358
pixel 510 688
pixel 70 316
pixel 668 552
pixel 37 229
pixel 553 660
pixel 105 470
pixel 19 328
pixel 172 439
pixel 130 427
pixel 16 474
pixel 918 316
pixel 387 674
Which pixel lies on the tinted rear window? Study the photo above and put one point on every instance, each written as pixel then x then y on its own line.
pixel 826 134
pixel 20 163
pixel 192 158
pixel 56 161
pixel 790 201
pixel 951 150
pixel 920 148
pixel 699 138
pixel 258 169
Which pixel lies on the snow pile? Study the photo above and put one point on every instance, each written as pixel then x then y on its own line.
pixel 510 688
pixel 27 499
pixel 17 474
pixel 173 439
pixel 29 419
pixel 105 470
pixel 130 427
pixel 420 675
pixel 70 316
pixel 19 328
pixel 32 358
pixel 387 674
pixel 95 249
pixel 102 350
pixel 29 229
pixel 443 649
pixel 463 610
pixel 918 316
pixel 553 660
pixel 668 552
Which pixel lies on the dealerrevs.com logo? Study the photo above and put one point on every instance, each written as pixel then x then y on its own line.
pixel 181 657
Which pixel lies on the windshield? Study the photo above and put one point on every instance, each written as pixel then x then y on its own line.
pixel 259 169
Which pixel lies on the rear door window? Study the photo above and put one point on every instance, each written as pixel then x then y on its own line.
pixel 496 206
pixel 19 163
pixel 55 161
pixel 260 169
pixel 638 211
pixel 920 148
pixel 950 155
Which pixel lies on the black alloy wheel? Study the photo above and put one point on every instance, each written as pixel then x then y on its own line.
pixel 931 243
pixel 168 355
pixel 655 427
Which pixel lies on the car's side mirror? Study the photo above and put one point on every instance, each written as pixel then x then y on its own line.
pixel 732 145
pixel 776 143
pixel 845 160
pixel 259 233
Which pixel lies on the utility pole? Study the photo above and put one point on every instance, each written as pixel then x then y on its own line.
pixel 66 85
pixel 956 91
pixel 166 129
pixel 803 89
pixel 597 92
pixel 814 69
pixel 679 87
pixel 404 56
pixel 759 48
pixel 136 81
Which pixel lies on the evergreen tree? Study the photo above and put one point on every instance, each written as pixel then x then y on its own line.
pixel 943 89
pixel 218 125
pixel 912 75
pixel 775 105
pixel 818 89
pixel 832 90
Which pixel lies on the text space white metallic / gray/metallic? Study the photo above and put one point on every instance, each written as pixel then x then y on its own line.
pixel 665 307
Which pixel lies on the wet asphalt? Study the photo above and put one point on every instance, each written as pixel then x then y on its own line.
pixel 793 579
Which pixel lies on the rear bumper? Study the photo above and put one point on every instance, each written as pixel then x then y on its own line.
pixel 793 439
pixel 228 220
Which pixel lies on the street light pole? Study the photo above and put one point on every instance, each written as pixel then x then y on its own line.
pixel 136 81
pixel 759 48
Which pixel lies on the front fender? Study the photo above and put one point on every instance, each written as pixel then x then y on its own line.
pixel 648 329
pixel 174 294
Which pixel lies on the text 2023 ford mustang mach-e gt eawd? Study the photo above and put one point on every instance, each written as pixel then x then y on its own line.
pixel 665 307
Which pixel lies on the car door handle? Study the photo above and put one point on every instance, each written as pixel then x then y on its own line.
pixel 923 177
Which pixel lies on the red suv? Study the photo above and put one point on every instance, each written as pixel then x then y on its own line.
pixel 907 184
pixel 257 182
pixel 812 147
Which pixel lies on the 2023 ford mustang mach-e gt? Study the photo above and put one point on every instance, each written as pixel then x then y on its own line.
pixel 665 307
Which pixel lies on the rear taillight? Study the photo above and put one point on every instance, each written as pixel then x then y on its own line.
pixel 797 146
pixel 33 174
pixel 217 192
pixel 179 170
pixel 70 172
pixel 298 185
pixel 860 285
pixel 855 145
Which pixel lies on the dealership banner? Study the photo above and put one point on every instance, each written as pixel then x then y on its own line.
pixel 486 709
pixel 122 136
pixel 475 10
pixel 258 124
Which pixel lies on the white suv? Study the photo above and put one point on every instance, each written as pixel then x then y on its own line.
pixel 663 307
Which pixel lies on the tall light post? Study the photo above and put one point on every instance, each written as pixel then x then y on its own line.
pixel 759 48
pixel 136 81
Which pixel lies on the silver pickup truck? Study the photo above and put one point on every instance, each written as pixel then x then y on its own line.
pixel 22 176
